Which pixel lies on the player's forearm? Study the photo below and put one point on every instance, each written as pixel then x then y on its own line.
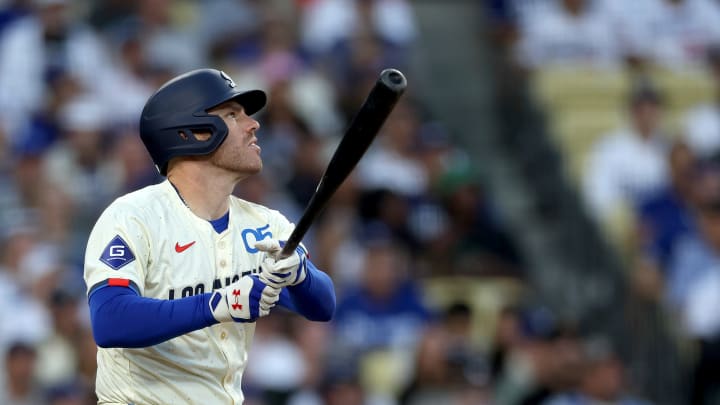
pixel 314 298
pixel 121 318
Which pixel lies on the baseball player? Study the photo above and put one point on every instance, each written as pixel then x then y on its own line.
pixel 178 272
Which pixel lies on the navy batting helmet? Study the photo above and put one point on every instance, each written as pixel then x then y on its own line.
pixel 180 107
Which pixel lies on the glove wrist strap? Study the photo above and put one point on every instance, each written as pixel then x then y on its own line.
pixel 219 306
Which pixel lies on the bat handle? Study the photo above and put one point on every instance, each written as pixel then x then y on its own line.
pixel 290 245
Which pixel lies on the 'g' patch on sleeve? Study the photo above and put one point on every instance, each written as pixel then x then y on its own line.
pixel 117 253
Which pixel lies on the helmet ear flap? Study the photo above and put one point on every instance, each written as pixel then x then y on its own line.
pixel 202 137
pixel 197 134
pixel 212 125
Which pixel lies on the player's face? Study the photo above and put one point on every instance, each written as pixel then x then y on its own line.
pixel 239 152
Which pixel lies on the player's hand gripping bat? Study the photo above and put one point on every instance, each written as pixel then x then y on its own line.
pixel 359 135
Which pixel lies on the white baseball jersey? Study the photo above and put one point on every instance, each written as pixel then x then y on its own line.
pixel 152 242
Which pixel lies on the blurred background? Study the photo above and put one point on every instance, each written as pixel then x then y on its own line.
pixel 537 223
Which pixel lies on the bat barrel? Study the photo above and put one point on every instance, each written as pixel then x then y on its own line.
pixel 393 79
pixel 359 135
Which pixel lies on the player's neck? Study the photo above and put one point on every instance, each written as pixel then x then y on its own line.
pixel 205 196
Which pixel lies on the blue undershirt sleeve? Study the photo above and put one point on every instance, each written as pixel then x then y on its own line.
pixel 121 318
pixel 314 298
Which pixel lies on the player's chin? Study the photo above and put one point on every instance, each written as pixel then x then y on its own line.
pixel 257 169
pixel 253 168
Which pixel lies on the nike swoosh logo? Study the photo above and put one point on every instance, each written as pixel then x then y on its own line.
pixel 181 248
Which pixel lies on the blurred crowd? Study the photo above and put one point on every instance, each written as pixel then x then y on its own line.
pixel 662 176
pixel 74 77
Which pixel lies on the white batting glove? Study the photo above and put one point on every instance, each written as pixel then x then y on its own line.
pixel 244 300
pixel 278 272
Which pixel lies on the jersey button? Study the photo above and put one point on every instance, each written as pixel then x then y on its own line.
pixel 223 263
pixel 221 245
pixel 223 335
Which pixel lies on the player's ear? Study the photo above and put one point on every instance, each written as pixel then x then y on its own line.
pixel 202 135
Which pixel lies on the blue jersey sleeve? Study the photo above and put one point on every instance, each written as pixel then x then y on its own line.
pixel 122 318
pixel 314 298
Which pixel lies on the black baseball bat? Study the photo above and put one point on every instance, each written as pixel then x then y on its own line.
pixel 357 138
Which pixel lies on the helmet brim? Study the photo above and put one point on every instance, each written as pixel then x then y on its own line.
pixel 252 100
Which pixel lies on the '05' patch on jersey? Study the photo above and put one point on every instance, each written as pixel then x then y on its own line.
pixel 117 253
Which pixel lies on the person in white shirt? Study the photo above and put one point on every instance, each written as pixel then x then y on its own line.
pixel 630 163
pixel 701 123
pixel 567 33
pixel 679 34
pixel 45 43
pixel 673 34
pixel 325 23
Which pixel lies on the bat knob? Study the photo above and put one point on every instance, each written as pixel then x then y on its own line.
pixel 393 79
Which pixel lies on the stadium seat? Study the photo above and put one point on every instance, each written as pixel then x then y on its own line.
pixel 583 104
pixel 486 296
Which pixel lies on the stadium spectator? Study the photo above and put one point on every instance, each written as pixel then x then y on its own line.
pixel 79 163
pixel 663 219
pixel 171 46
pixel 22 315
pixel 701 129
pixel 327 23
pixel 132 74
pixel 629 23
pixel 693 285
pixel 313 339
pixel 666 215
pixel 229 30
pixel 41 129
pixel 22 188
pixel 380 321
pixel 279 364
pixel 385 311
pixel 87 361
pixel 697 255
pixel 11 11
pixel 36 48
pixel 436 150
pixel 309 92
pixel 539 361
pixel 67 394
pixel 473 242
pixel 601 379
pixel 383 208
pixel 566 33
pixel 449 363
pixel 340 386
pixel 282 133
pixel 337 236
pixel 704 324
pixel 630 163
pixel 57 355
pixel 507 334
pixel 679 32
pixel 20 387
pixel 136 170
pixel 672 34
pixel 308 167
pixel 392 163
